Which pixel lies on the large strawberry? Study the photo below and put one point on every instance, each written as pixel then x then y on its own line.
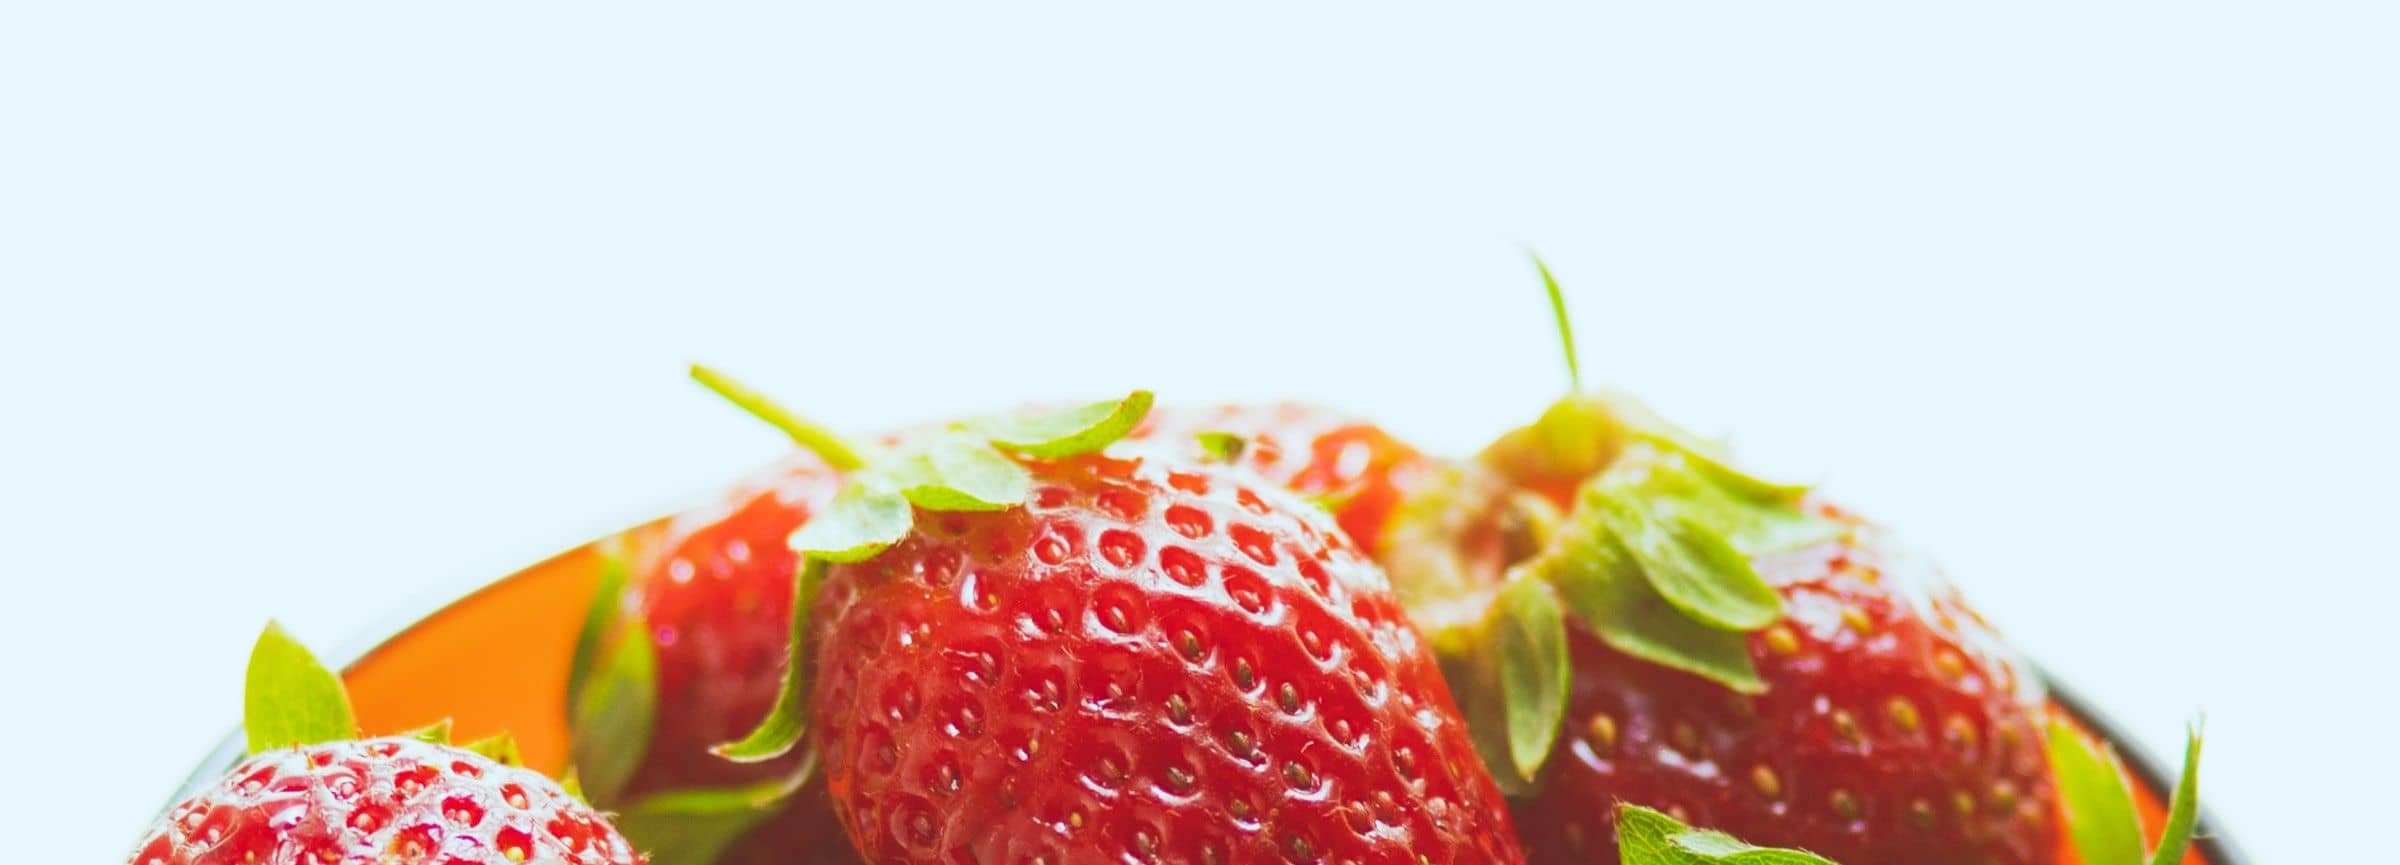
pixel 311 793
pixel 1028 651
pixel 1627 618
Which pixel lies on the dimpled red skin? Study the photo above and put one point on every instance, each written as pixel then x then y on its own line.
pixel 718 605
pixel 1357 468
pixel 1887 699
pixel 382 801
pixel 1146 663
pixel 718 601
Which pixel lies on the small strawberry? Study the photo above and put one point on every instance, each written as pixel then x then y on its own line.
pixel 1727 650
pixel 1027 651
pixel 1353 467
pixel 312 794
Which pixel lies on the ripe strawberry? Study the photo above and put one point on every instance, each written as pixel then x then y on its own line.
pixel 1891 729
pixel 717 603
pixel 1353 467
pixel 311 794
pixel 1718 647
pixel 1062 656
pixel 385 801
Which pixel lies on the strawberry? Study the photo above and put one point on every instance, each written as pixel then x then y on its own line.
pixel 1352 467
pixel 1024 650
pixel 1628 619
pixel 1888 728
pixel 310 794
pixel 716 604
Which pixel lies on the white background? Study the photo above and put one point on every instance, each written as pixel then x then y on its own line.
pixel 330 311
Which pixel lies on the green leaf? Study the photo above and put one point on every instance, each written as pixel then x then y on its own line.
pixel 959 473
pixel 2183 811
pixel 436 733
pixel 694 827
pixel 788 721
pixel 1692 567
pixel 613 716
pixel 600 619
pixel 1530 636
pixel 1648 837
pixel 1604 588
pixel 1074 431
pixel 500 747
pixel 1566 329
pixel 1223 447
pixel 860 522
pixel 291 699
pixel 2097 797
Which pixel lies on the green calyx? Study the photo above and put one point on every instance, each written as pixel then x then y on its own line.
pixel 2097 797
pixel 1604 516
pixel 1648 837
pixel 976 465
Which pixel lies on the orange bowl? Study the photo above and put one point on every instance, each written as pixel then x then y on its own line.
pixel 496 660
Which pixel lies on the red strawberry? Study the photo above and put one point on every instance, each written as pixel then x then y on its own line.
pixel 311 794
pixel 1061 656
pixel 1891 729
pixel 1355 468
pixel 384 801
pixel 718 604
pixel 1717 647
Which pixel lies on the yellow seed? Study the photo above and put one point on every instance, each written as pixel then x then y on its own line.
pixel 1782 641
pixel 2004 795
pixel 1903 713
pixel 1845 805
pixel 1602 730
pixel 1857 620
pixel 1686 738
pixel 1960 732
pixel 1846 726
pixel 1075 819
pixel 1764 779
pixel 1963 803
pixel 1950 664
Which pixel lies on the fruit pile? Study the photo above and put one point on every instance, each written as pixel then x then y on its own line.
pixel 1229 635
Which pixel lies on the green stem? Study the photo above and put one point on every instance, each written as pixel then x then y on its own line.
pixel 1566 330
pixel 823 442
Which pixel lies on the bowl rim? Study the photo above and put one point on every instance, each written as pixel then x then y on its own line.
pixel 2208 836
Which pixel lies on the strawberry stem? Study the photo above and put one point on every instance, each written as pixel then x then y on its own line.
pixel 1566 330
pixel 817 439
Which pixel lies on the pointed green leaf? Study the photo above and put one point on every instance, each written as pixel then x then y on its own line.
pixel 2183 811
pixel 1530 635
pixel 788 721
pixel 436 733
pixel 291 699
pixel 694 827
pixel 615 713
pixel 1223 447
pixel 1603 587
pixel 1692 567
pixel 2097 797
pixel 1648 837
pixel 1566 328
pixel 500 747
pixel 600 619
pixel 958 473
pixel 1080 430
pixel 860 522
